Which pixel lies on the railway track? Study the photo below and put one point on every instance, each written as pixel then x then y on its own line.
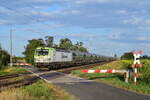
pixel 6 81
pixel 29 80
pixel 69 69
pixel 18 82
pixel 3 77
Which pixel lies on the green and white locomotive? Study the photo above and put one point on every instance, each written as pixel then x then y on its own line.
pixel 46 57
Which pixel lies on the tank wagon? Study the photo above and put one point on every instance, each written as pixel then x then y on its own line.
pixel 46 57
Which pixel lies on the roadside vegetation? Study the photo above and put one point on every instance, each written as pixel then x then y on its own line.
pixel 4 58
pixel 117 80
pixel 37 91
pixel 5 69
pixel 18 59
pixel 12 70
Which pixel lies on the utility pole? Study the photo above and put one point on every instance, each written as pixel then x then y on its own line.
pixel 11 56
pixel 90 44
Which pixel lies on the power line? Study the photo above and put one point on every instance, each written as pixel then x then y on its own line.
pixel 18 12
pixel 30 17
pixel 14 10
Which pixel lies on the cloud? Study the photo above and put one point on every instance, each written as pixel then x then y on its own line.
pixel 86 14
pixel 94 1
pixel 113 24
pixel 144 28
pixel 133 21
pixel 123 12
pixel 82 13
pixel 129 38
pixel 143 39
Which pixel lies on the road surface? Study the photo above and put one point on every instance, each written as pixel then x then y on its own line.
pixel 87 89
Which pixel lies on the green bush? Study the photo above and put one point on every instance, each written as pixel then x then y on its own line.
pixel 4 58
pixel 39 90
pixel 145 72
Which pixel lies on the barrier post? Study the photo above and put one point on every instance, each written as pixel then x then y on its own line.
pixel 127 77
pixel 135 75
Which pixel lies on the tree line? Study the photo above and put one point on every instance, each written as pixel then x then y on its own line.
pixel 48 41
pixel 129 55
pixel 4 57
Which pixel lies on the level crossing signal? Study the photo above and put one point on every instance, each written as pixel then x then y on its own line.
pixel 137 59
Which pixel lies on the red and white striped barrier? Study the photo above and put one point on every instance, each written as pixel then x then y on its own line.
pixel 109 71
pixel 22 64
pixel 98 71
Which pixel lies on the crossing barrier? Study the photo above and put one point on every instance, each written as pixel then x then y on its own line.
pixel 126 72
pixel 22 64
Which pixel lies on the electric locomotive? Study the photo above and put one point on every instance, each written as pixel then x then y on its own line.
pixel 46 57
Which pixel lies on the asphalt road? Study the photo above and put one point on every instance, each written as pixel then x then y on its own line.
pixel 99 91
pixel 87 89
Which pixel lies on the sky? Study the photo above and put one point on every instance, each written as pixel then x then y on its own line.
pixel 106 27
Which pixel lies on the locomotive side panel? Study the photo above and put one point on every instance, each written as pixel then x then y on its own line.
pixel 59 56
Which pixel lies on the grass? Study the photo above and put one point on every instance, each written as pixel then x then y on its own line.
pixel 11 70
pixel 15 94
pixel 37 91
pixel 117 80
pixel 46 91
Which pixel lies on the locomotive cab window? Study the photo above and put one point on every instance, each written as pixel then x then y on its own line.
pixel 42 52
pixel 74 54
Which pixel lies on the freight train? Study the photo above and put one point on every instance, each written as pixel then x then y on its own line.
pixel 46 57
